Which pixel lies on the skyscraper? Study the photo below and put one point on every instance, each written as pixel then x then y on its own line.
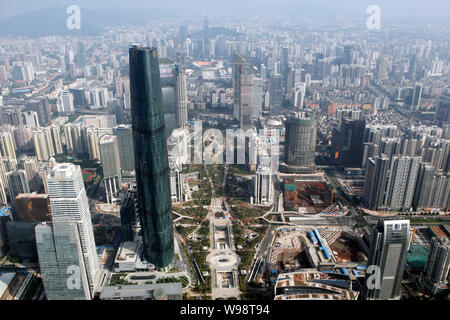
pixel 65 103
pixel 174 95
pixel 7 146
pixel 152 167
pixel 442 114
pixel 69 205
pixel 109 152
pixel 437 266
pixel 416 96
pixel 301 135
pixel 375 181
pixel 276 95
pixel 61 261
pixel 181 95
pixel 124 136
pixel 17 183
pixel 348 143
pixel 403 174
pixel 258 87
pixel 263 186
pixel 243 91
pixel 388 252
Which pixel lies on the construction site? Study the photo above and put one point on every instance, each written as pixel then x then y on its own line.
pixel 328 249
pixel 307 194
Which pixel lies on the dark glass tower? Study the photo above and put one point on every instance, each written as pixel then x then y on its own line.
pixel 150 148
pixel 301 136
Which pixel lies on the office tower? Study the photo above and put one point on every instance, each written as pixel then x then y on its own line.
pixel 17 183
pixel 33 207
pixel 263 72
pixel 169 90
pixel 416 96
pixel 258 85
pixel 263 186
pixel 176 183
pixel 42 107
pixel 65 103
pixel 173 86
pixel 30 119
pixel 69 205
pixel 61 261
pixel 124 136
pixel 182 34
pixel 152 168
pixel 381 71
pixel 298 95
pixel 348 143
pixel 442 114
pixel 436 271
pixel 403 174
pixel 7 146
pixel 128 218
pixel 181 96
pixel 375 182
pixel 319 66
pixel 109 152
pixel 388 251
pixel 276 93
pixel 242 91
pixel 412 72
pixel 349 53
pixel 300 145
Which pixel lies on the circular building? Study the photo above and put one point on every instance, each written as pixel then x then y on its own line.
pixel 300 145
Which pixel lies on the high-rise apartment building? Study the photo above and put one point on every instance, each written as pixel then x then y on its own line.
pixel 437 266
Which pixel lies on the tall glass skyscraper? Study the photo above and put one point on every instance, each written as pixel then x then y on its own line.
pixel 66 248
pixel 150 147
pixel 388 253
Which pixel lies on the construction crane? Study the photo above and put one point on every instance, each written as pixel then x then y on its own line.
pixel 413 233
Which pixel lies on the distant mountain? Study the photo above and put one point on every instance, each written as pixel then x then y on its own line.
pixel 52 21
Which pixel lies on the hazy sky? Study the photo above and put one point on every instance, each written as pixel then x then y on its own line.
pixel 390 9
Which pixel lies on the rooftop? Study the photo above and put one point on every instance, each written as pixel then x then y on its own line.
pixel 145 291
